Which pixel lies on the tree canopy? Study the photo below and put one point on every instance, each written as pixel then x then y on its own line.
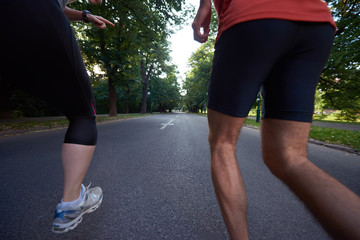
pixel 131 70
pixel 132 51
pixel 340 81
pixel 197 79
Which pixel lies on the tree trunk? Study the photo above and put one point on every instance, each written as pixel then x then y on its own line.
pixel 144 98
pixel 111 81
pixel 127 101
pixel 145 79
pixel 5 111
pixel 112 98
pixel 127 107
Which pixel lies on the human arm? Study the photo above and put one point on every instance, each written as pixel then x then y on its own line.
pixel 95 1
pixel 98 21
pixel 202 20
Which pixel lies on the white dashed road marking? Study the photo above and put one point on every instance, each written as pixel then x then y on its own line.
pixel 167 124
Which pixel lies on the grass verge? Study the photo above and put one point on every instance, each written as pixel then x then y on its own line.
pixel 119 117
pixel 336 136
pixel 28 125
pixel 332 118
pixel 328 135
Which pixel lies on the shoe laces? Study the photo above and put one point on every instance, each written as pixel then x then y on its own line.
pixel 87 188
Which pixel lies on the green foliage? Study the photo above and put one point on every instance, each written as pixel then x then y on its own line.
pixel 319 101
pixel 128 52
pixel 125 96
pixel 101 96
pixel 25 105
pixel 165 94
pixel 197 80
pixel 340 81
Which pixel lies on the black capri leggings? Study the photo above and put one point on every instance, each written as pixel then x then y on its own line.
pixel 284 57
pixel 43 58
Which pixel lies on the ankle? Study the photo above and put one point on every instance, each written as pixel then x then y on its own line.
pixel 71 195
pixel 74 203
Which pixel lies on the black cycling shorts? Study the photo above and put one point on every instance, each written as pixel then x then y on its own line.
pixel 283 58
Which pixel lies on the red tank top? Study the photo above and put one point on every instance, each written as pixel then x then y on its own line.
pixel 231 12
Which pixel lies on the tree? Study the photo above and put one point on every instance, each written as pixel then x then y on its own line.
pixel 340 81
pixel 197 79
pixel 165 91
pixel 134 47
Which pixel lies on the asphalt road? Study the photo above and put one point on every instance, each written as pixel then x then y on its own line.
pixel 155 175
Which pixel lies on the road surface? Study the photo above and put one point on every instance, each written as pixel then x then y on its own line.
pixel 155 174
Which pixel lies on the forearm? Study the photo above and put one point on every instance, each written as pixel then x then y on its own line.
pixel 204 3
pixel 72 14
pixel 201 23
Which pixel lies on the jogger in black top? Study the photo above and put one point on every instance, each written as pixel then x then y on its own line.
pixel 41 56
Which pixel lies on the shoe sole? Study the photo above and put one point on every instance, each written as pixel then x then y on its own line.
pixel 76 221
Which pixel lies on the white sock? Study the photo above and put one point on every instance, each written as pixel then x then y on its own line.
pixel 75 203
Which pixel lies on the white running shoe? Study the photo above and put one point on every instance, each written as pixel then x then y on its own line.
pixel 68 219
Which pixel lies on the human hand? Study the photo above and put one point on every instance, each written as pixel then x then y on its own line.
pixel 99 21
pixel 95 1
pixel 202 21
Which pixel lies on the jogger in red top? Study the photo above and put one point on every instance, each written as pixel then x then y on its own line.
pixel 280 46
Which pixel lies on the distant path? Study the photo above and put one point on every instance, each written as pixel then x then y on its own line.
pixel 343 126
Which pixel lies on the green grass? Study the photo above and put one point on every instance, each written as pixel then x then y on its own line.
pixel 332 118
pixel 323 118
pixel 29 125
pixel 336 136
pixel 328 135
pixel 252 122
pixel 119 117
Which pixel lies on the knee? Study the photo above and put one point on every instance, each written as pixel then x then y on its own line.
pixel 221 142
pixel 223 152
pixel 281 163
pixel 275 162
pixel 82 130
